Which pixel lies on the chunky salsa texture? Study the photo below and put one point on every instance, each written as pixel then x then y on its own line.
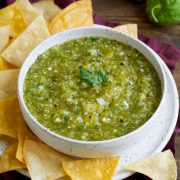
pixel 92 89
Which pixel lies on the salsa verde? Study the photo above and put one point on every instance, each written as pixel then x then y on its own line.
pixel 92 89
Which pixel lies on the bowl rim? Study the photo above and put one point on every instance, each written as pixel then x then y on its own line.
pixel 51 133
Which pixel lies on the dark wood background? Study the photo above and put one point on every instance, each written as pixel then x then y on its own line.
pixel 129 11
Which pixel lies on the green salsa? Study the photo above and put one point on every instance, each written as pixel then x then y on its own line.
pixel 92 89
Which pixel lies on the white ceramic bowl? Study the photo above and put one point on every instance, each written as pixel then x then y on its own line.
pixel 89 149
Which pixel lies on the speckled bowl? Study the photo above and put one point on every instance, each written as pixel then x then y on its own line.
pixel 89 149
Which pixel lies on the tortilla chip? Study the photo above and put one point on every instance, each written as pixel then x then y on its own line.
pixel 23 134
pixel 8 83
pixel 96 169
pixel 28 10
pixel 8 160
pixel 1 64
pixel 130 29
pixel 12 15
pixel 17 52
pixel 42 161
pixel 10 113
pixel 7 65
pixel 64 178
pixel 77 14
pixel 48 8
pixel 19 24
pixel 4 37
pixel 158 167
pixel 6 14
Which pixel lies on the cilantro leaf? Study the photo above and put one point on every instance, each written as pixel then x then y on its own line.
pixel 93 78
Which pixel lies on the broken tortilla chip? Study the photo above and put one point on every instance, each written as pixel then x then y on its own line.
pixel 17 52
pixel 8 83
pixel 96 169
pixel 77 14
pixel 8 161
pixel 48 8
pixel 42 161
pixel 130 29
pixel 4 36
pixel 159 166
pixel 10 113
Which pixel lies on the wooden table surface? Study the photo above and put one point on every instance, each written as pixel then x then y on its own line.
pixel 129 11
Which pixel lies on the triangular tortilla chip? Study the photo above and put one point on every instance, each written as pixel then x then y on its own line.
pixel 48 8
pixel 4 37
pixel 96 169
pixel 43 162
pixel 130 29
pixel 8 159
pixel 8 83
pixel 10 114
pixel 17 52
pixel 12 15
pixel 158 167
pixel 28 10
pixel 77 14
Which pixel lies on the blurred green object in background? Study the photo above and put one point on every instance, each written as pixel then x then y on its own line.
pixel 163 12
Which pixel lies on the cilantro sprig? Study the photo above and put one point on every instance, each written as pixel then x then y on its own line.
pixel 93 78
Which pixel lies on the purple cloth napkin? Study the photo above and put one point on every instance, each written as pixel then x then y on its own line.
pixel 169 53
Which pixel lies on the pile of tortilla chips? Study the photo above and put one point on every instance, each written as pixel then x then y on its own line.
pixel 22 26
